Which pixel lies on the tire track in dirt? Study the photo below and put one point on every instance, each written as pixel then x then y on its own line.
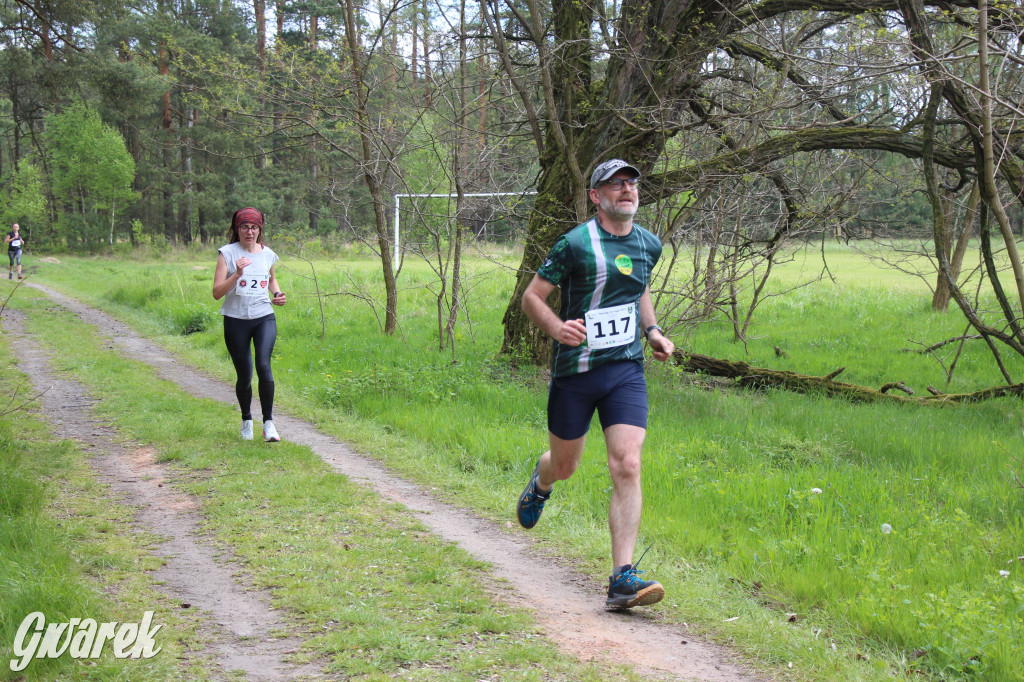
pixel 241 621
pixel 570 615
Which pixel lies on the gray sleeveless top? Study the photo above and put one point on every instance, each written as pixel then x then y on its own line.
pixel 249 298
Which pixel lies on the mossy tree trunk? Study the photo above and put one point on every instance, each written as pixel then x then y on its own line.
pixel 627 90
pixel 658 51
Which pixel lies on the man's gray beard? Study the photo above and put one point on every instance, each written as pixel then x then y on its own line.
pixel 612 208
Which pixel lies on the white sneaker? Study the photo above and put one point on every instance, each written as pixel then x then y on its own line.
pixel 270 433
pixel 246 429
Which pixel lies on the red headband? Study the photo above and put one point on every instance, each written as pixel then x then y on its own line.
pixel 248 215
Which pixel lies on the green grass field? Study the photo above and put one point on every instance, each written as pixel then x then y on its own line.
pixel 757 504
pixel 372 595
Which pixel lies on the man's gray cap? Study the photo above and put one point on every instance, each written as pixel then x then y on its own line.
pixel 608 169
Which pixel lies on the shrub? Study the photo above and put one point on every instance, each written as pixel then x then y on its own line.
pixel 192 318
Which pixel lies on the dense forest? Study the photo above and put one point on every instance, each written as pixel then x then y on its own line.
pixel 140 121
pixel 758 124
pixel 126 120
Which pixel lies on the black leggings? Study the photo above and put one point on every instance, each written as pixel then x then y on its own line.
pixel 261 333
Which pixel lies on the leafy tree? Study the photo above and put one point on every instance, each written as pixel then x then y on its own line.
pixel 90 167
pixel 770 88
pixel 24 200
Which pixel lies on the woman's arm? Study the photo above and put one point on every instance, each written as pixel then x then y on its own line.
pixel 277 297
pixel 222 283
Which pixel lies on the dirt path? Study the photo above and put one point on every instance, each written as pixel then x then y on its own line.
pixel 571 612
pixel 240 621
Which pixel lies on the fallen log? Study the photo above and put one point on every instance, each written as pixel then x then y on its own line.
pixel 759 377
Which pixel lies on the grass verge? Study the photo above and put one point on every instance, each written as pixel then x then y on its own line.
pixel 378 595
pixel 741 536
pixel 69 551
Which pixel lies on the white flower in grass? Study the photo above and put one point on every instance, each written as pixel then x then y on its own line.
pixel 1005 574
pixel 816 491
pixel 886 528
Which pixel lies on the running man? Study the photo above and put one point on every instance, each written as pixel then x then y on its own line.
pixel 603 268
pixel 14 243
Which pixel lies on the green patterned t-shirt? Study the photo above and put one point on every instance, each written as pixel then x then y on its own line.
pixel 596 269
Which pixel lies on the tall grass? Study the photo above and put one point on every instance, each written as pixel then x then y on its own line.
pixel 889 528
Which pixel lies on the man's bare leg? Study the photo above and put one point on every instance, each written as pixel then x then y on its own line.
pixel 625 443
pixel 561 461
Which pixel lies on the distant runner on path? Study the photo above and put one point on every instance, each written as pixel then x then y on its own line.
pixel 604 270
pixel 245 280
pixel 14 243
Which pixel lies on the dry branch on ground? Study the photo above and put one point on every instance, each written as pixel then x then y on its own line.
pixel 759 377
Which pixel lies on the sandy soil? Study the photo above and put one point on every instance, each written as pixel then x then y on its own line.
pixel 571 612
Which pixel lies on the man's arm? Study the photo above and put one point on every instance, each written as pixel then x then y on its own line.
pixel 535 305
pixel 659 343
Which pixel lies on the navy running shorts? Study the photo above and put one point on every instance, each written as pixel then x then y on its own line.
pixel 617 390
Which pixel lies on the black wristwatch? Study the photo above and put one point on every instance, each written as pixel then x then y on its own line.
pixel 647 332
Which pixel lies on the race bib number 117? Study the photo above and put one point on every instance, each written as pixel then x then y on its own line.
pixel 611 327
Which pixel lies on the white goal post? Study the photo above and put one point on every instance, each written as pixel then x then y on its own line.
pixel 449 195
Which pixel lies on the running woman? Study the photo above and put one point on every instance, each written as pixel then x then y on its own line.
pixel 245 280
pixel 603 268
pixel 14 243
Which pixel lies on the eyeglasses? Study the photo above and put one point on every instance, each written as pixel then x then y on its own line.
pixel 617 183
pixel 248 228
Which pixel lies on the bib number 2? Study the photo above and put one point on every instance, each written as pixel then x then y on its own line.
pixel 611 327
pixel 253 286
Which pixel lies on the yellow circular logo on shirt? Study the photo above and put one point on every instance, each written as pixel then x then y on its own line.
pixel 624 264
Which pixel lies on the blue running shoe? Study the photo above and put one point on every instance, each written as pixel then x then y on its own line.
pixel 626 589
pixel 531 503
